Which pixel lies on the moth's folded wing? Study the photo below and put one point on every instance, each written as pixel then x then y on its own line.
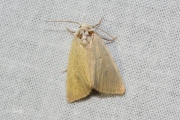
pixel 78 82
pixel 104 74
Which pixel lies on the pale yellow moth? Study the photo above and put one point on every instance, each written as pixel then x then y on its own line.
pixel 90 65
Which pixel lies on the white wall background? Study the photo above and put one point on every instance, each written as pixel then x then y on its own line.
pixel 33 54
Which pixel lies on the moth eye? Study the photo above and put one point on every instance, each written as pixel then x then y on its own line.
pixel 90 33
pixel 79 35
pixel 79 26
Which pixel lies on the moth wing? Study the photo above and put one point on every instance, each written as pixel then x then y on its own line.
pixel 104 74
pixel 78 83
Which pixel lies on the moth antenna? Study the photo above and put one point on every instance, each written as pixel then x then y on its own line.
pixel 96 26
pixel 62 21
pixel 99 22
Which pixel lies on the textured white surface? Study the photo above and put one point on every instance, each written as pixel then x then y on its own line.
pixel 33 53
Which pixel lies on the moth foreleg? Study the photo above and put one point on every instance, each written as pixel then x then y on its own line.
pixel 64 71
pixel 111 40
pixel 70 31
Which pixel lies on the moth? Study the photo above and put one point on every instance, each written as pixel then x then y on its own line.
pixel 90 65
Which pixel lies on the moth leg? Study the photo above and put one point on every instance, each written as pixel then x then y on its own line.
pixel 64 71
pixel 70 31
pixel 111 40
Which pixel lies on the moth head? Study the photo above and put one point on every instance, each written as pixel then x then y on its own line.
pixel 84 33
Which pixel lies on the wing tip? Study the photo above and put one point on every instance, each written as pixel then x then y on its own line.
pixel 73 99
pixel 122 90
pixel 116 91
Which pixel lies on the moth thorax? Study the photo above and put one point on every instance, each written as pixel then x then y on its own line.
pixel 85 36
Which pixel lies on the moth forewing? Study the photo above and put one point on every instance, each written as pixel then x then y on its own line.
pixel 78 83
pixel 104 74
